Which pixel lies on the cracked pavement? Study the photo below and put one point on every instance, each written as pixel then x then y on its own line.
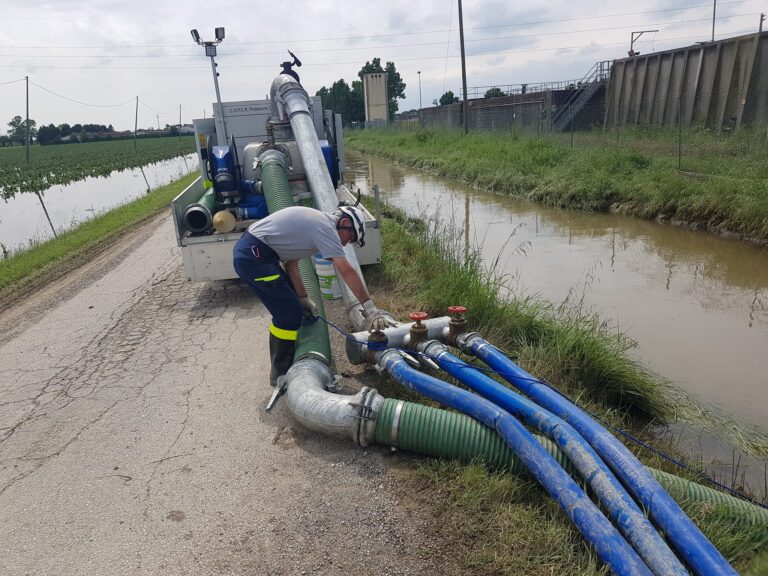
pixel 133 438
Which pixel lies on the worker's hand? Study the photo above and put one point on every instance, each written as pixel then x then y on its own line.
pixel 308 308
pixel 376 319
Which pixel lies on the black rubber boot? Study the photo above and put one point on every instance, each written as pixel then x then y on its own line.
pixel 281 354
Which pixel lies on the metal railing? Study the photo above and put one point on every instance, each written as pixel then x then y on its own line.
pixel 584 89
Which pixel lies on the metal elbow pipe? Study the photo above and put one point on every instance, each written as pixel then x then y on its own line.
pixel 313 406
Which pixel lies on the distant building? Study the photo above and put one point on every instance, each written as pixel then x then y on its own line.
pixel 375 98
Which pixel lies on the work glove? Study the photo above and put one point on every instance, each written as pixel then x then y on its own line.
pixel 308 308
pixel 376 319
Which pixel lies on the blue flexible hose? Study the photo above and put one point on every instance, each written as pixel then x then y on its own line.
pixel 593 525
pixel 680 530
pixel 629 518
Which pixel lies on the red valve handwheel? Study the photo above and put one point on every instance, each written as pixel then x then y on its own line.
pixel 418 316
pixel 457 309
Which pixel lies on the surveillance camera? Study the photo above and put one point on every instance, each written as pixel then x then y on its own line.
pixel 195 36
pixel 220 34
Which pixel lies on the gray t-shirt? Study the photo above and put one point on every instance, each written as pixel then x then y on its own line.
pixel 299 232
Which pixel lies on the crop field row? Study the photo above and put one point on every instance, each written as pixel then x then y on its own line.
pixel 64 163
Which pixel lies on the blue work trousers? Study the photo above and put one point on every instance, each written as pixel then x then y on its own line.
pixel 259 266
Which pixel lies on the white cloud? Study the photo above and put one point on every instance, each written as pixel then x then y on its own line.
pixel 105 52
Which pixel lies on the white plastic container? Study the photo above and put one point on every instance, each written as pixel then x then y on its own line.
pixel 326 276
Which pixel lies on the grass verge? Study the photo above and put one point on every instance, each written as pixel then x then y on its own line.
pixel 637 183
pixel 502 524
pixel 28 269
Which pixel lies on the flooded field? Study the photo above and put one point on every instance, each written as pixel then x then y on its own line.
pixel 23 220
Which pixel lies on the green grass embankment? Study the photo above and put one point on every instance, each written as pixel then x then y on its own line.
pixel 634 181
pixel 498 523
pixel 27 269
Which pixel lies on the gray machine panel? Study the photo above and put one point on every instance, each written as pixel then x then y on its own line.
pixel 246 120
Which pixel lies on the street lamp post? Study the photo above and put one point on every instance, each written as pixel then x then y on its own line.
pixel 210 50
pixel 419 73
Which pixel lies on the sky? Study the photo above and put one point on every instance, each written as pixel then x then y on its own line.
pixel 88 61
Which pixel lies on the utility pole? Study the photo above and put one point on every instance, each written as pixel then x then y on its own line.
pixel 714 12
pixel 136 123
pixel 463 71
pixel 179 121
pixel 419 73
pixel 26 137
pixel 158 120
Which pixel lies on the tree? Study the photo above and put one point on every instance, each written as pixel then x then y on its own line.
pixel 48 134
pixel 18 130
pixel 65 129
pixel 343 100
pixel 448 98
pixel 494 92
pixel 4 141
pixel 395 84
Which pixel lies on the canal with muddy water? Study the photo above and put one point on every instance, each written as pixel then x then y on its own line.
pixel 696 304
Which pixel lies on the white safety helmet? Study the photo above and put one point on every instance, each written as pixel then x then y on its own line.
pixel 356 218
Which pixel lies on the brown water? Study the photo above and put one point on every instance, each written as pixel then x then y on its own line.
pixel 696 304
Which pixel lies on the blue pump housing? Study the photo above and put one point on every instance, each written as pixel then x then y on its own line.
pixel 223 175
pixel 330 161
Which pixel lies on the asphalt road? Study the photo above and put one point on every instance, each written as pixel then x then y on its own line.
pixel 133 438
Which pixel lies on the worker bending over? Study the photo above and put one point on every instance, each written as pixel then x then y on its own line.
pixel 285 237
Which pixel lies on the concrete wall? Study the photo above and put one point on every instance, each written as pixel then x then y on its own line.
pixel 375 98
pixel 719 85
pixel 529 112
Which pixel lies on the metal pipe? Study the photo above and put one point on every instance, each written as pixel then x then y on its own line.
pixel 358 351
pixel 689 541
pixel 349 417
pixel 622 509
pixel 585 515
pixel 198 217
pixel 290 102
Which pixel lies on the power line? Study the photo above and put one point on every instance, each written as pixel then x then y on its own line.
pixel 356 62
pixel 440 31
pixel 12 81
pixel 389 46
pixel 78 101
pixel 156 111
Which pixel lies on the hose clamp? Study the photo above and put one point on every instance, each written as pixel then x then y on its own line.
pixel 464 341
pixel 396 423
pixel 364 426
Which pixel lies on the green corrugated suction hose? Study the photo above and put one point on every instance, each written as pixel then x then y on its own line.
pixel 444 434
pixel 313 337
